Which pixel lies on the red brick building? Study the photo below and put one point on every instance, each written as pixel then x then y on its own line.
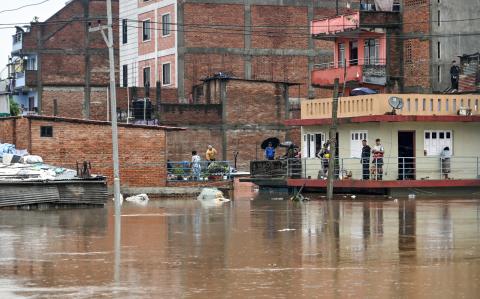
pixel 59 67
pixel 179 43
pixel 142 148
pixel 407 47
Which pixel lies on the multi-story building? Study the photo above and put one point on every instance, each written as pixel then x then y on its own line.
pixel 59 67
pixel 178 43
pixel 399 46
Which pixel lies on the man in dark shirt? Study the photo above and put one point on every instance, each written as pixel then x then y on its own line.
pixel 454 74
pixel 365 160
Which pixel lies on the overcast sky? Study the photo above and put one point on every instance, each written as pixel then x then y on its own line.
pixel 24 15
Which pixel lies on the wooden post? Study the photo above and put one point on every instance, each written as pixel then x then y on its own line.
pixel 333 142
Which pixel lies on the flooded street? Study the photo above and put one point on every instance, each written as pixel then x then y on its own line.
pixel 245 249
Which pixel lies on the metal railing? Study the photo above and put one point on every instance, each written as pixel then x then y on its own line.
pixel 351 62
pixel 369 5
pixel 390 168
pixel 178 171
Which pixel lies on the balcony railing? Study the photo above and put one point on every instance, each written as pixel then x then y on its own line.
pixel 369 5
pixel 362 70
pixel 392 168
pixel 17 41
pixel 179 171
pixel 377 104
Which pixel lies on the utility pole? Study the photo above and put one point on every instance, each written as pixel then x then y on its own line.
pixel 113 104
pixel 332 135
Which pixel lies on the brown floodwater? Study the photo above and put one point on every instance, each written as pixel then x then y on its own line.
pixel 245 249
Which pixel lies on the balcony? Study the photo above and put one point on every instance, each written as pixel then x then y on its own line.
pixel 25 79
pixel 349 25
pixel 377 104
pixel 357 71
pixel 17 42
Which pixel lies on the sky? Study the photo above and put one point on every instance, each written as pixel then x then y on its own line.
pixel 24 15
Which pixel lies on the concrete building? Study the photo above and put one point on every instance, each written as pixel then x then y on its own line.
pixel 58 65
pixel 413 138
pixel 181 42
pixel 407 47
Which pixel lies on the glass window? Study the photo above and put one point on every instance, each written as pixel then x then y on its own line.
pixel 146 76
pixel 166 24
pixel 124 31
pixel 125 75
pixel 166 74
pixel 427 135
pixel 441 135
pixel 146 30
pixel 46 131
pixel 434 135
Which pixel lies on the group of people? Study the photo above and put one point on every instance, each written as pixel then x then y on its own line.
pixel 210 156
pixel 292 152
pixel 377 153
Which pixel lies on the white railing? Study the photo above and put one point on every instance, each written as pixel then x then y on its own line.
pixel 391 168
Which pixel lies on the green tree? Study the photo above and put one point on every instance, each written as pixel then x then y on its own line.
pixel 14 108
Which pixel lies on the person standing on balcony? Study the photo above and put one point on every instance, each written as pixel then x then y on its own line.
pixel 378 152
pixel 270 152
pixel 445 156
pixel 365 160
pixel 211 154
pixel 324 155
pixel 454 75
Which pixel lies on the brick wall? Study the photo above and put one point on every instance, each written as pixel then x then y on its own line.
pixel 180 144
pixel 416 64
pixel 7 130
pixel 189 114
pixel 255 102
pixel 216 14
pixel 284 37
pixel 142 149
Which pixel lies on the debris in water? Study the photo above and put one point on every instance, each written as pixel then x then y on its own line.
pixel 140 199
pixel 277 198
pixel 212 195
pixel 286 230
pixel 353 196
pixel 411 196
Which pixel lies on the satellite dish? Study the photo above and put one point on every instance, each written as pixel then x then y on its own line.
pixel 395 102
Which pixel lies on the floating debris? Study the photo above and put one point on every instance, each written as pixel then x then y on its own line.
pixel 286 230
pixel 140 199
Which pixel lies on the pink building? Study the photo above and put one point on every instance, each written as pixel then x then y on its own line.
pixel 148 43
pixel 365 50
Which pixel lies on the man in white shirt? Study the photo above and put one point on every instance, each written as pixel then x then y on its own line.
pixel 378 152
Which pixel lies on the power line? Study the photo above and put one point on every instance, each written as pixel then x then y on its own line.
pixel 24 6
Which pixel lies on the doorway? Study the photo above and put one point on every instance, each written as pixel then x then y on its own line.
pixel 406 155
pixel 353 53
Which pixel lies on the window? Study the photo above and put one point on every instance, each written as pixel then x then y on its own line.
pixel 371 51
pixel 146 30
pixel 166 25
pixel 124 31
pixel 438 18
pixel 438 50
pixel 146 76
pixel 46 131
pixel 356 138
pixel 31 63
pixel 436 141
pixel 125 75
pixel 166 74
pixel 439 73
pixel 312 144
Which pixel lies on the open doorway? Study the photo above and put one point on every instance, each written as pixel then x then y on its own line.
pixel 353 53
pixel 406 155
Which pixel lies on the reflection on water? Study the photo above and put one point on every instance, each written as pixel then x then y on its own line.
pixel 259 248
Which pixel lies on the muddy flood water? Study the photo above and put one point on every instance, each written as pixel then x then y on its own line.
pixel 259 248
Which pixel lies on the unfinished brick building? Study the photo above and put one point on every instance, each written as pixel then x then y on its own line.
pixel 59 67
pixel 178 43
